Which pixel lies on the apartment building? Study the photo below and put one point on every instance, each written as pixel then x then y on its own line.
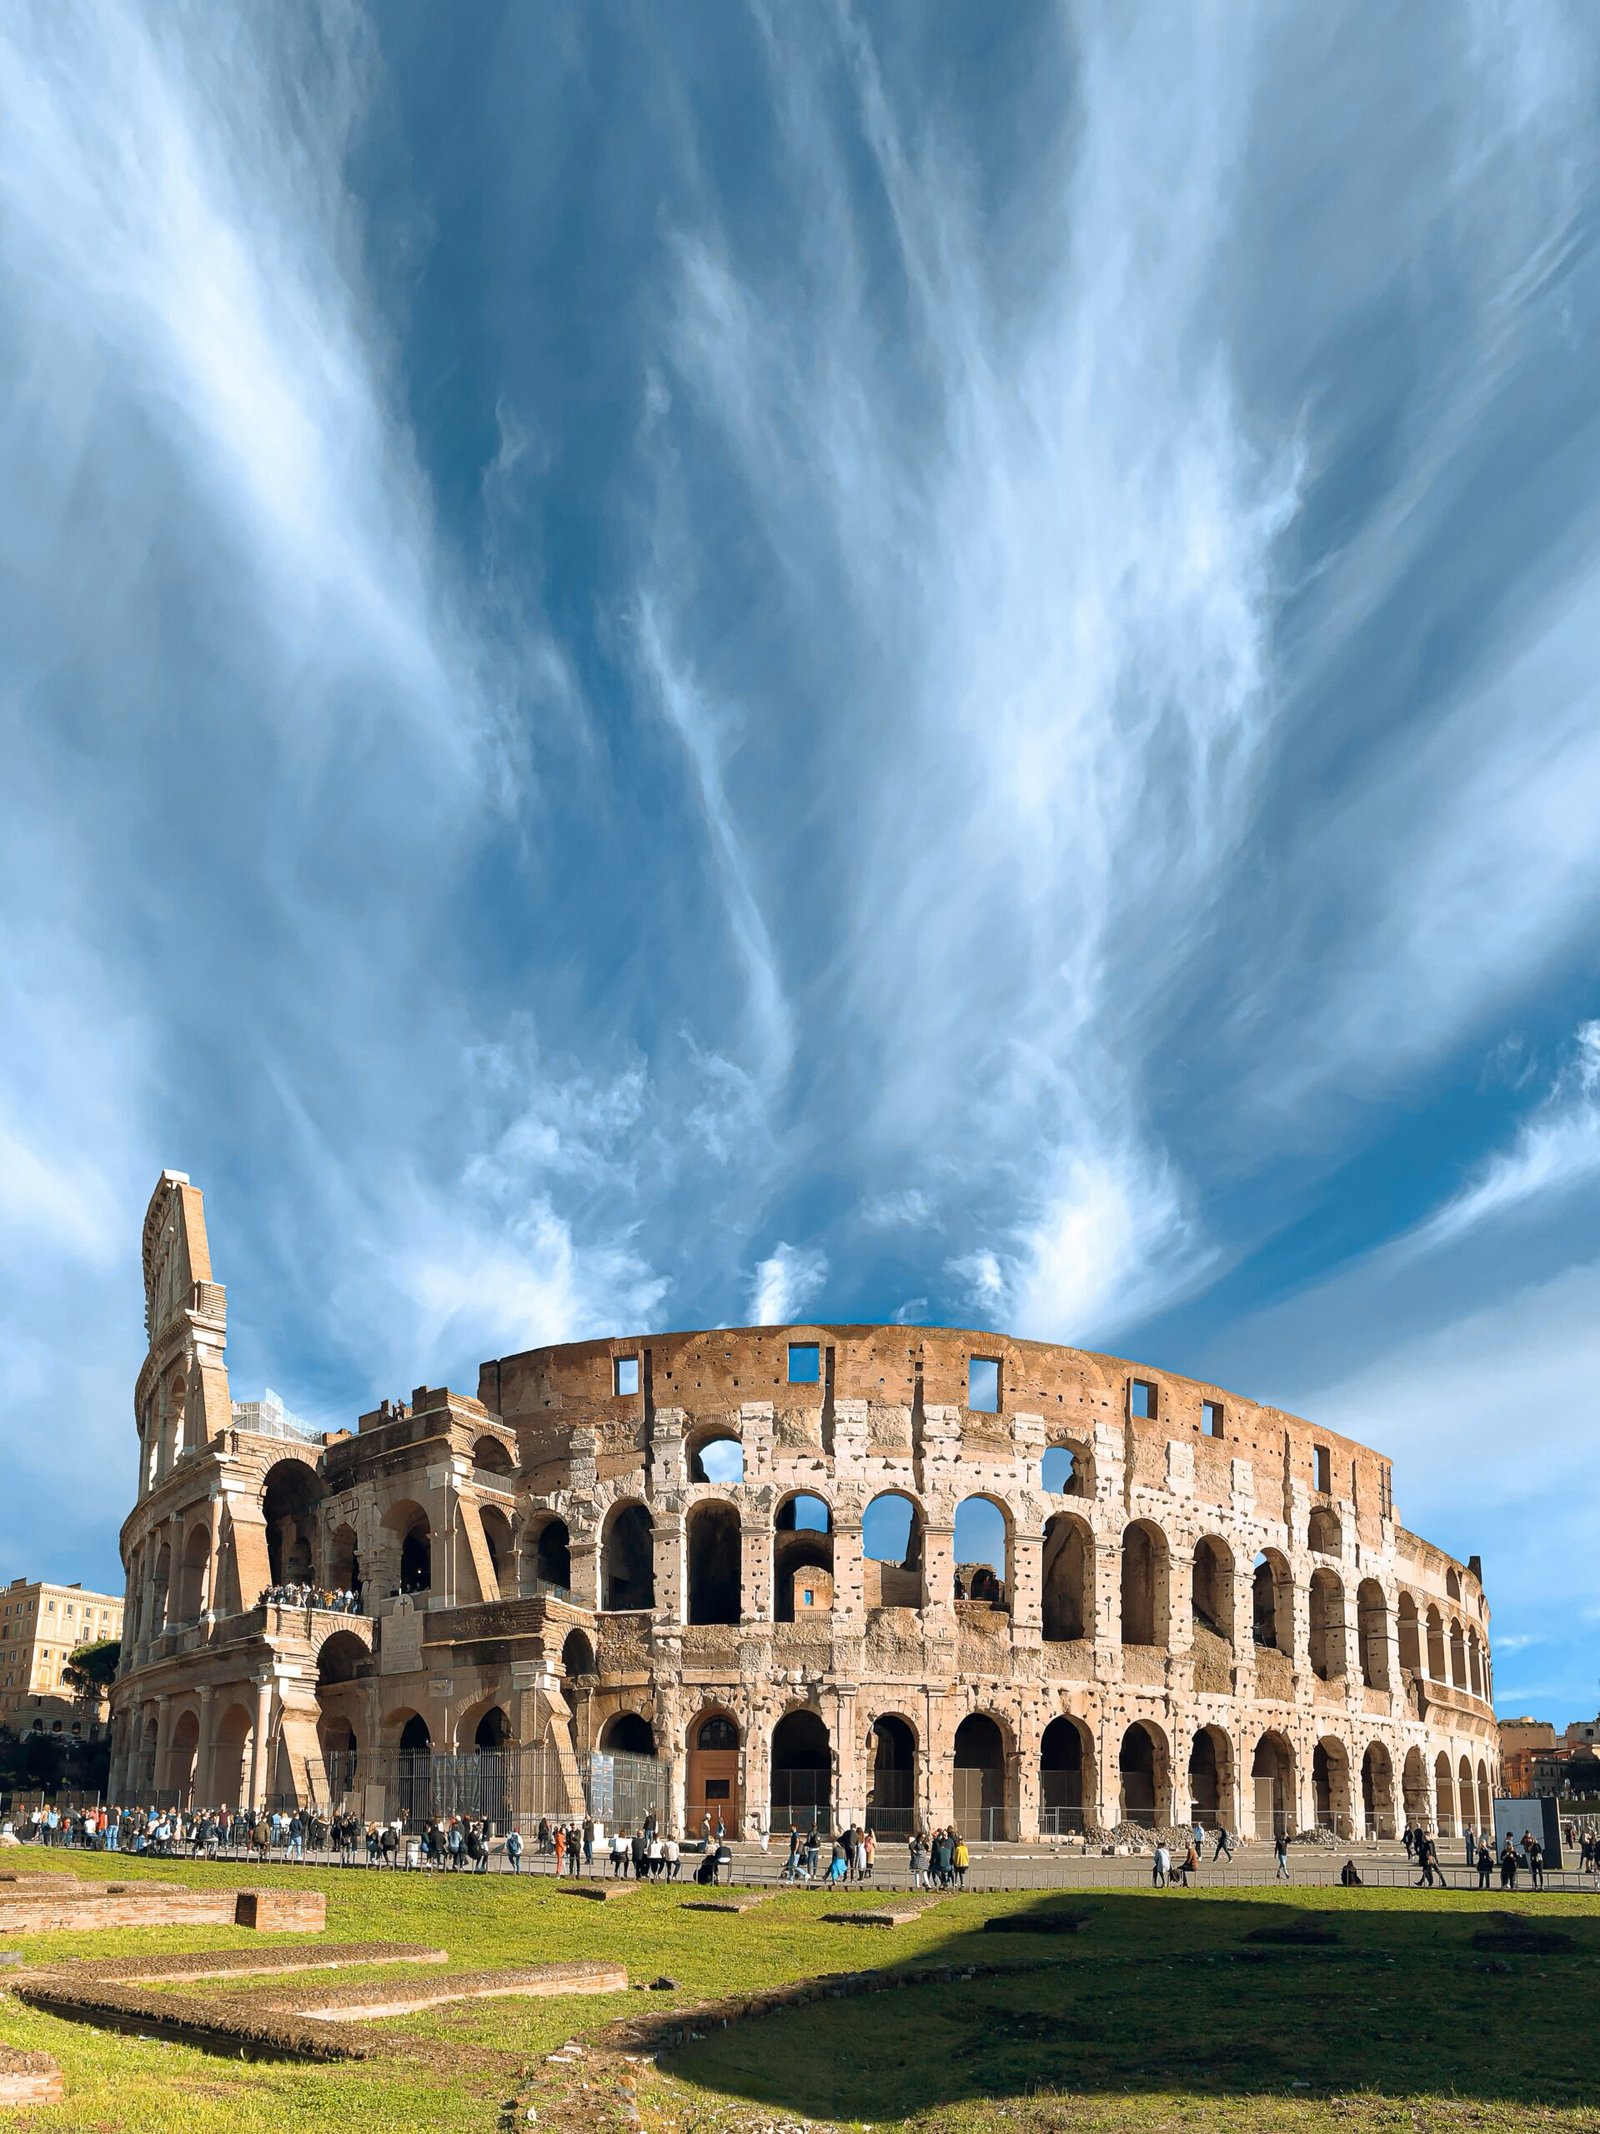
pixel 41 1626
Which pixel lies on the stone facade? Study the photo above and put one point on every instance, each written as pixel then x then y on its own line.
pixel 676 1546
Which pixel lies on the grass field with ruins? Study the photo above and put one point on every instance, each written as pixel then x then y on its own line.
pixel 1157 2011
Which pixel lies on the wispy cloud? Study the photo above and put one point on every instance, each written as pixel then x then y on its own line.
pixel 790 1278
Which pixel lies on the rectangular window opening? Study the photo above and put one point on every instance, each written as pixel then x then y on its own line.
pixel 625 1374
pixel 1211 1417
pixel 1142 1399
pixel 805 1363
pixel 1324 1468
pixel 717 1789
pixel 983 1384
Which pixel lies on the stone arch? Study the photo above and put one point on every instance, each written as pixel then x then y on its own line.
pixel 1066 1470
pixel 1444 1796
pixel 1324 1535
pixel 1145 1767
pixel 1466 1806
pixel 712 1545
pixel 892 1550
pixel 410 1545
pixel 1272 1777
pixel 1326 1640
pixel 413 1766
pixel 341 1658
pixel 1458 1656
pixel 1210 1778
pixel 892 1775
pixel 491 1457
pixel 1452 1583
pixel 1475 1662
pixel 1145 1584
pixel 628 1734
pixel 1410 1635
pixel 1377 1792
pixel 979 1772
pixel 1272 1602
pixel 1068 1590
pixel 1436 1660
pixel 230 1756
pixel 802 1540
pixel 340 1747
pixel 291 1493
pixel 577 1655
pixel 978 1577
pixel 726 1466
pixel 1485 1798
pixel 801 1764
pixel 161 1590
pixel 484 1727
pixel 546 1555
pixel 181 1752
pixel 712 1792
pixel 1414 1790
pixel 1330 1786
pixel 627 1559
pixel 192 1573
pixel 344 1559
pixel 226 1598
pixel 1372 1633
pixel 1066 1776
pixel 1211 1586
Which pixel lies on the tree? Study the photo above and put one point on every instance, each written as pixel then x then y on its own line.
pixel 90 1671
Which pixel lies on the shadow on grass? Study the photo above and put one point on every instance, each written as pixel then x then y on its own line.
pixel 1215 1998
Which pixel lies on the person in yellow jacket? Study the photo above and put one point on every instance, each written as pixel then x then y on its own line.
pixel 961 1860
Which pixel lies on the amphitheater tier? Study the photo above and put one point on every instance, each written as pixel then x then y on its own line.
pixel 757 1576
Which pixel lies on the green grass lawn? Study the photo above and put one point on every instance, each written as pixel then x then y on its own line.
pixel 1160 2013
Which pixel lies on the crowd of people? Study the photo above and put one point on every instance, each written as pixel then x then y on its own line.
pixel 300 1593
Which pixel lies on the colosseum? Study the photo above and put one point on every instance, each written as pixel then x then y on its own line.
pixel 771 1574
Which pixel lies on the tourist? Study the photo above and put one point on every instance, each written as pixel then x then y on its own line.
pixel 514 1849
pixel 1408 1835
pixel 619 1856
pixel 653 1858
pixel 1349 1876
pixel 672 1853
pixel 1191 1859
pixel 1160 1865
pixel 705 1828
pixel 543 1838
pixel 813 1852
pixel 1472 1849
pixel 1224 1849
pixel 1508 1864
pixel 639 1853
pixel 588 1842
pixel 1535 1854
pixel 917 1861
pixel 838 1865
pixel 960 1860
pixel 871 1844
pixel 1280 1853
pixel 1485 1865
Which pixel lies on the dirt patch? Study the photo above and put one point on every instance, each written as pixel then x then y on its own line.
pixel 366 2004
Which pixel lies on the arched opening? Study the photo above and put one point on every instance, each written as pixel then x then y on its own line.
pixel 1064 1472
pixel 1458 1657
pixel 1330 1786
pixel 1272 1782
pixel 491 1457
pixel 1372 1633
pixel 1272 1602
pixel 1211 1588
pixel 290 1495
pixel 980 1780
pixel 1377 1792
pixel 341 1757
pixel 1068 1595
pixel 226 1598
pixel 341 1659
pixel 627 1560
pixel 1210 1778
pixel 1444 1796
pixel 1474 1663
pixel 230 1759
pixel 414 1771
pixel 179 1777
pixel 344 1562
pixel 547 1557
pixel 1144 1585
pixel 1485 1799
pixel 628 1734
pixel 716 1457
pixel 1452 1583
pixel 192 1575
pixel 161 1591
pixel 1142 1765
pixel 891 1791
pixel 1061 1764
pixel 711 1536
pixel 802 1773
pixel 408 1548
pixel 1410 1636
pixel 577 1656
pixel 1326 1626
pixel 1414 1789
pixel 1467 1807
pixel 493 1730
pixel 712 1792
pixel 1323 1534
pixel 802 1559
pixel 1436 1666
pixel 497 1540
pixel 891 1551
pixel 982 1546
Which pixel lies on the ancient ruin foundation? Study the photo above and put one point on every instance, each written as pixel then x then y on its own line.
pixel 761 1576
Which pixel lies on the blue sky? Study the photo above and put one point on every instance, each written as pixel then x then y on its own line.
pixel 682 665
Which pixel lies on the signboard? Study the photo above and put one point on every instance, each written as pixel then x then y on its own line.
pixel 1539 1816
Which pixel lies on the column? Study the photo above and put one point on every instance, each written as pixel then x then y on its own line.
pixel 259 1759
pixel 163 1742
pixel 214 1516
pixel 203 1783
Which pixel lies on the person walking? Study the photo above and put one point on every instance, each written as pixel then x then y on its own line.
pixel 514 1849
pixel 1224 1850
pixel 1160 1865
pixel 960 1860
pixel 1280 1852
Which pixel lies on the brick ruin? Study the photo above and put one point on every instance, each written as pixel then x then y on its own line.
pixel 915 1575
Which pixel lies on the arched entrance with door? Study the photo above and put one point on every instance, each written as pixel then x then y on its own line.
pixel 1210 1779
pixel 414 1771
pixel 981 1808
pixel 1377 1792
pixel 230 1759
pixel 1061 1768
pixel 1272 1782
pixel 712 1790
pixel 892 1788
pixel 1142 1763
pixel 1330 1784
pixel 802 1773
